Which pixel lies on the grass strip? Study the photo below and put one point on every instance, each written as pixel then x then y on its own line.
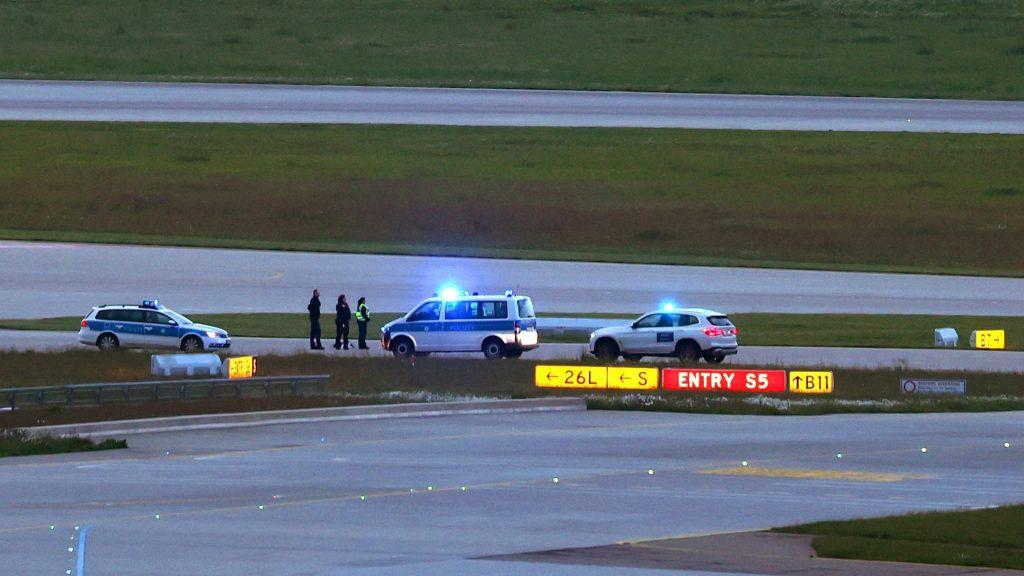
pixel 938 203
pixel 843 330
pixel 18 443
pixel 931 48
pixel 991 537
pixel 353 379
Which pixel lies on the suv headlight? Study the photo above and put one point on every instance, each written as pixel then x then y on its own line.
pixel 211 334
pixel 592 334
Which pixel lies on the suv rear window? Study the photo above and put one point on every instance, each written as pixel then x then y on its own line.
pixel 525 306
pixel 719 321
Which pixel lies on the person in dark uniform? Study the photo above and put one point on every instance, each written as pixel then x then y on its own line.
pixel 341 323
pixel 362 319
pixel 314 321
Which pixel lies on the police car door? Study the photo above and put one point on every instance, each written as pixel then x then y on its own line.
pixel 128 326
pixel 424 324
pixel 160 330
pixel 460 326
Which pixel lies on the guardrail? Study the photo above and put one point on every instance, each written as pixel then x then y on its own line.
pixel 157 390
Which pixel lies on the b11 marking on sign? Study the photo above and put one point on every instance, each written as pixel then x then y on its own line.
pixel 811 382
pixel 721 380
pixel 570 376
pixel 633 378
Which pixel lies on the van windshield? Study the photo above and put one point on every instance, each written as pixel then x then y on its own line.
pixel 525 306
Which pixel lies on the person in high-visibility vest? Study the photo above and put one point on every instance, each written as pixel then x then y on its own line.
pixel 362 319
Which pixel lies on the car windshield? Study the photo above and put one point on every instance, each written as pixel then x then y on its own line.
pixel 181 320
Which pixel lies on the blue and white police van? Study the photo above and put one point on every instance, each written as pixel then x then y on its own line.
pixel 148 326
pixel 500 326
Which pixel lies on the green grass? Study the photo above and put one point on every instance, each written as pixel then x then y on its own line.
pixel 919 48
pixel 989 537
pixel 884 202
pixel 856 391
pixel 17 443
pixel 848 330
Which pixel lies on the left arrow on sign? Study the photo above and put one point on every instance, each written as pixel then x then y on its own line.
pixel 550 376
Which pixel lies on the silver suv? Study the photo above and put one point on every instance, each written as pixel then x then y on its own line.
pixel 687 333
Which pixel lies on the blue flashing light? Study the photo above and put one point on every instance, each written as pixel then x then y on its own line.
pixel 154 304
pixel 449 293
pixel 667 307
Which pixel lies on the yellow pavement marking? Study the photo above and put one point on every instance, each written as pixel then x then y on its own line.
pixel 814 474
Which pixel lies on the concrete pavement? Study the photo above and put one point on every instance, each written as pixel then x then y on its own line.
pixel 256 103
pixel 42 279
pixel 190 503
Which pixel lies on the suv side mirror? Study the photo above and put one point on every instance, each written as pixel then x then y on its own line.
pixel 634 325
pixel 173 322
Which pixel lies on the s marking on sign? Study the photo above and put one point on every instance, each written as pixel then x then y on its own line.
pixel 633 378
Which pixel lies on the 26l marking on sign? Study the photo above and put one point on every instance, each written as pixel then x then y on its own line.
pixel 546 376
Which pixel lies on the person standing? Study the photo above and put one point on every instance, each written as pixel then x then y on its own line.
pixel 341 323
pixel 314 321
pixel 362 319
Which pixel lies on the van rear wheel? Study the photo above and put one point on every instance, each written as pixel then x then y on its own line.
pixel 494 348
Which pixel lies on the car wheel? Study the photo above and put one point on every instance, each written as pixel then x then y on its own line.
pixel 688 352
pixel 403 348
pixel 606 350
pixel 191 344
pixel 494 348
pixel 513 353
pixel 714 358
pixel 107 342
pixel 633 357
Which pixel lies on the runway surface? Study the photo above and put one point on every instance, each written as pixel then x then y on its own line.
pixel 54 279
pixel 785 356
pixel 257 103
pixel 190 502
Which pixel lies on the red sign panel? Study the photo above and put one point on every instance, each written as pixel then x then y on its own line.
pixel 720 380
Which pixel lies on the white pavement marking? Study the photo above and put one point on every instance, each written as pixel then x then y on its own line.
pixel 42 283
pixel 261 103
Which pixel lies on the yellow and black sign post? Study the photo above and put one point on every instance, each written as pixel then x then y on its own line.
pixel 240 367
pixel 633 378
pixel 802 382
pixel 552 376
pixel 571 376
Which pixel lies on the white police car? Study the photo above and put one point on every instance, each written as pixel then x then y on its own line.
pixel 497 325
pixel 148 326
pixel 686 333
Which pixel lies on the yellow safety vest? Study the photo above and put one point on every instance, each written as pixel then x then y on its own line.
pixel 361 313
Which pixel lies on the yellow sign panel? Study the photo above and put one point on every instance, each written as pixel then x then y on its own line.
pixel 811 382
pixel 633 378
pixel 571 376
pixel 242 367
pixel 990 339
